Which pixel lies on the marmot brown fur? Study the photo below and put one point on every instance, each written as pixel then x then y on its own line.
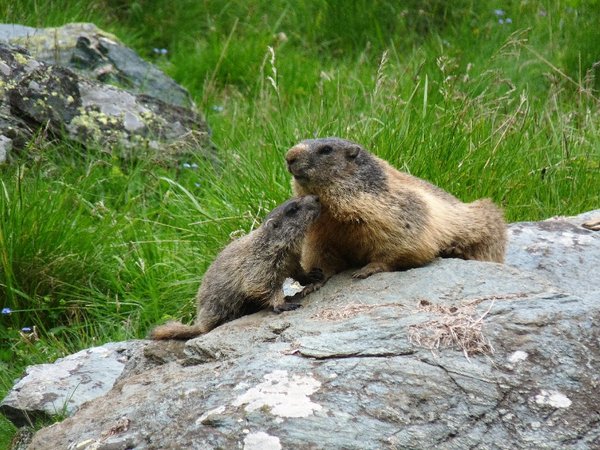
pixel 249 273
pixel 378 219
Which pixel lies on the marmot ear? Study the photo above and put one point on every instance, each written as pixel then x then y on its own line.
pixel 271 223
pixel 353 151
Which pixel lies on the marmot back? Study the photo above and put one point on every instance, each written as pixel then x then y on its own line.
pixel 249 272
pixel 380 219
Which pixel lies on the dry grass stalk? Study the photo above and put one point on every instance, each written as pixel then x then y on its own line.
pixel 349 310
pixel 457 328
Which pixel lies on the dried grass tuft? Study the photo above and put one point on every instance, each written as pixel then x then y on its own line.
pixel 456 328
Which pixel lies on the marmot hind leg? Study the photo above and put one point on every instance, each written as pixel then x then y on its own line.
pixel 483 237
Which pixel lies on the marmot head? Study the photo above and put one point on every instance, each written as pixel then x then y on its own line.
pixel 319 164
pixel 287 224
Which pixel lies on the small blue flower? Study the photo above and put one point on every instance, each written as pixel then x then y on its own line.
pixel 156 50
pixel 508 20
pixel 6 311
pixel 217 108
pixel 499 12
pixel 197 185
pixel 194 166
pixel 186 165
pixel 26 329
pixel 164 51
pixel 500 21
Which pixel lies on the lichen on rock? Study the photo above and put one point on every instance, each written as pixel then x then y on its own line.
pixel 67 100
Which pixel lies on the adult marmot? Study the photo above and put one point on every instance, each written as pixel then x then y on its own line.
pixel 380 219
pixel 249 273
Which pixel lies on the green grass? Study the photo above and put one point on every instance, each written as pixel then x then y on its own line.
pixel 94 248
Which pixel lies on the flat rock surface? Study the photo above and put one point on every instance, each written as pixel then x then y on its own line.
pixel 458 354
pixel 559 249
pixel 61 387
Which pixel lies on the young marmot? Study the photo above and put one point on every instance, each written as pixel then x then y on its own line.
pixel 380 219
pixel 249 273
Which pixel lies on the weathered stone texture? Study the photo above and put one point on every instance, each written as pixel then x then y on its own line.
pixel 95 54
pixel 81 83
pixel 358 368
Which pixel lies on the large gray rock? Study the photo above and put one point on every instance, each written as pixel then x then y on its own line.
pixel 5 148
pixel 48 95
pixel 96 54
pixel 458 354
pixel 48 390
pixel 559 249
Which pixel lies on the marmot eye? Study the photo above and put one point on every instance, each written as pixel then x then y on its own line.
pixel 291 209
pixel 325 150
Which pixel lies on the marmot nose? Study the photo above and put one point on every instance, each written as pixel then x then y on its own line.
pixel 292 155
pixel 291 165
